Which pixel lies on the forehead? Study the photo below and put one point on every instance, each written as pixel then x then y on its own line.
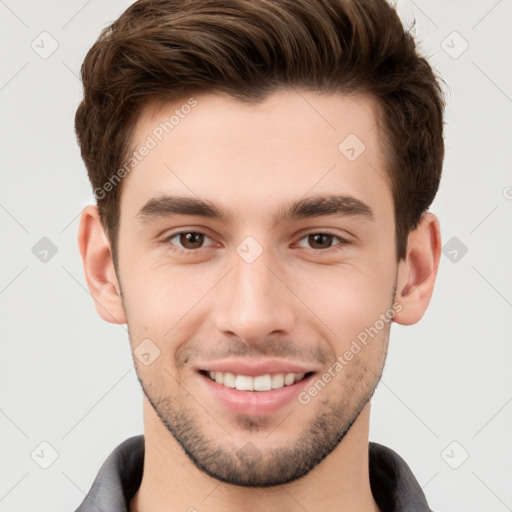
pixel 252 156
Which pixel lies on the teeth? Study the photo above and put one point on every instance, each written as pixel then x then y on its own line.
pixel 262 383
pixel 289 379
pixel 229 379
pixel 259 383
pixel 277 381
pixel 244 383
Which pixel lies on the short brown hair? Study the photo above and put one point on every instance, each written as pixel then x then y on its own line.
pixel 165 50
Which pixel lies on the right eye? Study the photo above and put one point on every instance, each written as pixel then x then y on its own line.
pixel 187 240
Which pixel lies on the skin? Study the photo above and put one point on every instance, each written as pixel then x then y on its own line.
pixel 297 301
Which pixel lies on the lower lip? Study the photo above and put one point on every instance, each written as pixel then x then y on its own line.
pixel 254 403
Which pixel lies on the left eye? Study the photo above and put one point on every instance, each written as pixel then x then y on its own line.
pixel 320 240
pixel 189 239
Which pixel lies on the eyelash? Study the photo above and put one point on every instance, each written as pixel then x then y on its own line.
pixel 167 240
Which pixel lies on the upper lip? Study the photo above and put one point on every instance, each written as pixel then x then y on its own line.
pixel 254 368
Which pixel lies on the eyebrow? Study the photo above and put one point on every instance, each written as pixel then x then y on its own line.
pixel 308 207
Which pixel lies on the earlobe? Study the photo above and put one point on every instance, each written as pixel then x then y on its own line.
pixel 418 271
pixel 99 268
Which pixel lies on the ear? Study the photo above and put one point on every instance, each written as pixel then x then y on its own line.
pixel 417 272
pixel 99 268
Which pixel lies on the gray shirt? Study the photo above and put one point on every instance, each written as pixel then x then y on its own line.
pixel 394 487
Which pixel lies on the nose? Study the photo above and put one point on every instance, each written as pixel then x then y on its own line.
pixel 253 302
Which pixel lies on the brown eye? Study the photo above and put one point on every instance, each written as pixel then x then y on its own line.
pixel 320 240
pixel 188 240
pixel 191 240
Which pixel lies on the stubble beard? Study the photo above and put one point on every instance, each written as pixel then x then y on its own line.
pixel 249 465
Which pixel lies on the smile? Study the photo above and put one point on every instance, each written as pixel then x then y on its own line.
pixel 264 382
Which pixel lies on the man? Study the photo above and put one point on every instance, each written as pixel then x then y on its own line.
pixel 263 171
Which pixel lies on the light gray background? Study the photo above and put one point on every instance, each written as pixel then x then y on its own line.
pixel 67 376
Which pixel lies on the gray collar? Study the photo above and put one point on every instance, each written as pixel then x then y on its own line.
pixel 393 485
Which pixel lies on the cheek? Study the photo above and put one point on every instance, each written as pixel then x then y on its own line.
pixel 159 299
pixel 348 298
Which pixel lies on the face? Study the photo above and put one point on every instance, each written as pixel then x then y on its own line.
pixel 257 269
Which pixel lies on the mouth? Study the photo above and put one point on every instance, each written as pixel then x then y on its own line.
pixel 257 383
pixel 265 391
pixel 254 387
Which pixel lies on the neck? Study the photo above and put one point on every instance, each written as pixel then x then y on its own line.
pixel 171 482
